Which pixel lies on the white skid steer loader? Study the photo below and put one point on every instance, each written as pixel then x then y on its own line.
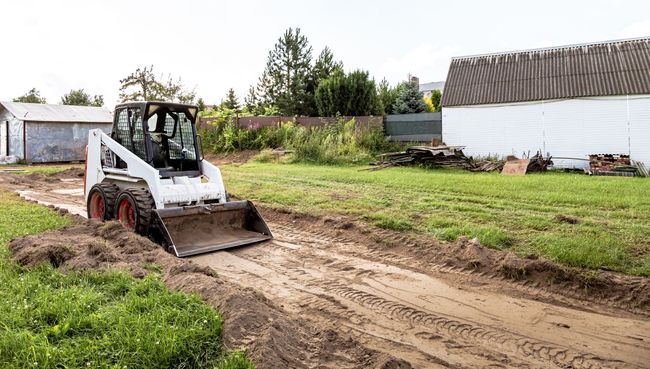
pixel 150 176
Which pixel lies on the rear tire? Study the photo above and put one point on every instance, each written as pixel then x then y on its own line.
pixel 133 209
pixel 100 201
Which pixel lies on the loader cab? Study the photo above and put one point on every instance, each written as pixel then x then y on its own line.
pixel 162 134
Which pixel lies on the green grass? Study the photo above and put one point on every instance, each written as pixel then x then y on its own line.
pixel 509 213
pixel 101 320
pixel 42 168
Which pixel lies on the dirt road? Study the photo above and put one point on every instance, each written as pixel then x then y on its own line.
pixel 333 273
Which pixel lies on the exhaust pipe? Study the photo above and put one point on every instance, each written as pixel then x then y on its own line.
pixel 193 230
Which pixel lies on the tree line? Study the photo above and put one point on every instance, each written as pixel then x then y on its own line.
pixel 293 83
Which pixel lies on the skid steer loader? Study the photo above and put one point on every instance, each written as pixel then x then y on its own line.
pixel 150 176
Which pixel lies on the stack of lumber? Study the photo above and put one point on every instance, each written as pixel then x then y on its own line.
pixel 431 156
pixel 611 165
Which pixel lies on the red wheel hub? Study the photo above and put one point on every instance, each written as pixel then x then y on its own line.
pixel 97 206
pixel 126 214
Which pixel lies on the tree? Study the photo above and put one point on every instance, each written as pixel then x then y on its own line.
pixel 32 96
pixel 387 96
pixel 80 97
pixel 201 104
pixel 325 66
pixel 436 98
pixel 231 101
pixel 409 99
pixel 142 85
pixel 352 94
pixel 284 83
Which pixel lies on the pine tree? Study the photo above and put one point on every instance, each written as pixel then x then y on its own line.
pixel 284 83
pixel 409 100
pixel 232 102
pixel 387 96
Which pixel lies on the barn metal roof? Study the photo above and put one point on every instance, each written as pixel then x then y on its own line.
pixel 58 113
pixel 620 67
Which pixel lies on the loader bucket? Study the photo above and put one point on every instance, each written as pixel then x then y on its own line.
pixel 192 230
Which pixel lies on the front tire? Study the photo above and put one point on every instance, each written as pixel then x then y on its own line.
pixel 133 210
pixel 100 201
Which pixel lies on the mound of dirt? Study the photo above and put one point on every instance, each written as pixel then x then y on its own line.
pixel 272 337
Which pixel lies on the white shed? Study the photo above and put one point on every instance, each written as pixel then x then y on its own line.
pixel 42 133
pixel 569 101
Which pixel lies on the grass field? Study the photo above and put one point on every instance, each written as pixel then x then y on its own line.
pixel 531 215
pixel 100 320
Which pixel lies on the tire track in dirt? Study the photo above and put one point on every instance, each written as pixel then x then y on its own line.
pixel 285 261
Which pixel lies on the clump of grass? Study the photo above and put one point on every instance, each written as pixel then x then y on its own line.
pixel 338 143
pixel 597 251
pixel 489 236
pixel 391 222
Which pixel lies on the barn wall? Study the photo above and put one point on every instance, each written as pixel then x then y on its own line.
pixel 55 142
pixel 571 128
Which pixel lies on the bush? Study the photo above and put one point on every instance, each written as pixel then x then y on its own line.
pixel 342 142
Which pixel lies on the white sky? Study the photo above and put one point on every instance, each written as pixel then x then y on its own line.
pixel 56 46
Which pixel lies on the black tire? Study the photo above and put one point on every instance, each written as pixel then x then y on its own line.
pixel 141 203
pixel 107 192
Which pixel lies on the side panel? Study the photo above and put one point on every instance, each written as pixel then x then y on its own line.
pixel 564 128
pixel 4 134
pixel 494 130
pixel 16 138
pixel 55 142
pixel 640 128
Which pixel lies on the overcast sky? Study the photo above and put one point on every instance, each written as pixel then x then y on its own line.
pixel 56 46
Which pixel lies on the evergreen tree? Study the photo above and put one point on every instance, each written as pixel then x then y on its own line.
pixel 232 102
pixel 81 98
pixel 284 83
pixel 32 96
pixel 387 96
pixel 409 100
pixel 353 94
pixel 201 104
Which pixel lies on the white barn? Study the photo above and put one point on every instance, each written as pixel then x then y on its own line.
pixel 568 101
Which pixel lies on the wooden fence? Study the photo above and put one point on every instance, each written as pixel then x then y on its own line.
pixel 422 127
pixel 258 122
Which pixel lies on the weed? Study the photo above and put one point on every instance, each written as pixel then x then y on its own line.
pixel 341 142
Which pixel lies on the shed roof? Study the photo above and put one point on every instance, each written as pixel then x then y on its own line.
pixel 58 113
pixel 431 86
pixel 620 67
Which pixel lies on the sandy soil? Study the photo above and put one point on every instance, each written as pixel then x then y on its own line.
pixel 335 293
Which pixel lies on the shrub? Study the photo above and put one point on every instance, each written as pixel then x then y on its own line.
pixel 341 142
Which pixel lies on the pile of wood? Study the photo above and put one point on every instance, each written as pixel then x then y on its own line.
pixel 488 166
pixel 536 163
pixel 431 156
pixel 611 164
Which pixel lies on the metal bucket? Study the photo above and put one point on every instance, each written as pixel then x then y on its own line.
pixel 193 230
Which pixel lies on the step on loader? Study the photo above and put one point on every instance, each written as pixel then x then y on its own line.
pixel 150 176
